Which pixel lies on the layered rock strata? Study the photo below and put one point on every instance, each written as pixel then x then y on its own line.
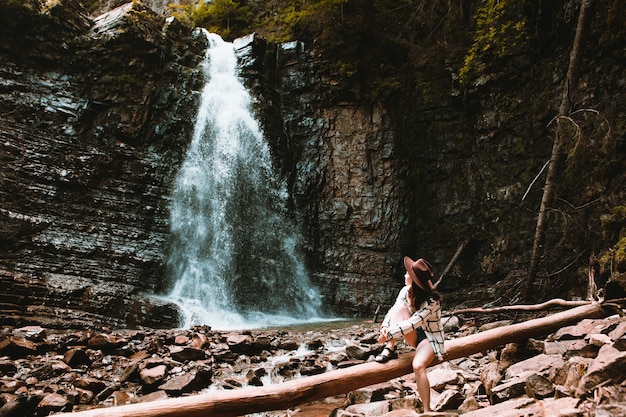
pixel 94 116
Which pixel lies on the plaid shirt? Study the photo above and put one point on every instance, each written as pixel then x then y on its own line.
pixel 428 317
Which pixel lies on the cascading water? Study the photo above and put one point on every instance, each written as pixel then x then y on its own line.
pixel 234 251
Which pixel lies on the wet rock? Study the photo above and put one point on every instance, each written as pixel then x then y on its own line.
pixel 81 396
pixel 620 344
pixel 90 384
pixel 262 343
pixel 576 331
pixel 367 409
pixel 490 376
pixel 151 377
pixel 616 287
pixel 106 392
pixel 117 398
pixel 7 367
pixel 450 399
pixel 288 344
pixel 17 347
pixel 34 333
pixel 186 353
pixel 357 351
pixel 440 377
pixel 53 403
pixel 50 370
pixel 199 341
pixel 610 365
pixel 102 341
pixel 253 378
pixel 21 406
pixel 312 367
pixel 376 392
pixel 76 358
pixel 452 324
pixel 152 396
pixel 541 364
pixel 240 343
pixel 314 344
pixel 222 353
pixel 539 387
pixel 181 339
pixel 185 383
pixel 570 374
pixel 469 404
pixel 131 372
pixel 507 389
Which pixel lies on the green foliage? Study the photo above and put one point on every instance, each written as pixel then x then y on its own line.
pixel 31 5
pixel 614 223
pixel 615 259
pixel 296 19
pixel 614 228
pixel 90 5
pixel 501 32
pixel 277 21
pixel 228 18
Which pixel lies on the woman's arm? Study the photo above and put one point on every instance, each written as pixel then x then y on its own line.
pixel 413 322
pixel 398 303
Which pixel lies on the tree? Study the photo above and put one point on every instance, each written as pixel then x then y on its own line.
pixel 565 108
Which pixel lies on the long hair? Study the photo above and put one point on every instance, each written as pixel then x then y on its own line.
pixel 417 295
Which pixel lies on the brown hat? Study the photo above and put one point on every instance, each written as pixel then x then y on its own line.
pixel 420 272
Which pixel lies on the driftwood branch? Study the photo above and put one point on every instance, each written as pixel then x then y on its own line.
pixel 554 303
pixel 305 390
pixel 452 261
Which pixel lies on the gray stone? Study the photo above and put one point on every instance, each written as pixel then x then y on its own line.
pixel 539 387
pixel 542 364
pixel 366 410
pixel 610 365
pixel 153 376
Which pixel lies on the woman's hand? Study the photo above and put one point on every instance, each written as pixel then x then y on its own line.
pixel 383 335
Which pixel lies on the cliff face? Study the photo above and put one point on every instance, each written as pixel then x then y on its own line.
pixel 96 114
pixel 93 114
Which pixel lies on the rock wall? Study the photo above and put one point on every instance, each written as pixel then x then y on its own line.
pixel 95 115
pixel 441 167
pixel 347 180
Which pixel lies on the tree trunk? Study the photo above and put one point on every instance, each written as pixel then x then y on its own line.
pixel 305 390
pixel 554 303
pixel 571 80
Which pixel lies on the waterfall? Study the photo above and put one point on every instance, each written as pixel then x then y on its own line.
pixel 233 257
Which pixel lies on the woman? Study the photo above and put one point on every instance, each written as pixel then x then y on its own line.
pixel 416 316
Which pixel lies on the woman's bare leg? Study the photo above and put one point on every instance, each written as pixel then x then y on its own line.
pixel 424 355
pixel 398 315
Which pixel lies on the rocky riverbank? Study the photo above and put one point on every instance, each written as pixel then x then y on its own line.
pixel 577 371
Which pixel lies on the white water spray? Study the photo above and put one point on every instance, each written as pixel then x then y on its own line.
pixel 234 252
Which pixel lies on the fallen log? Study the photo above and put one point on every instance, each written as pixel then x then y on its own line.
pixel 554 303
pixel 305 390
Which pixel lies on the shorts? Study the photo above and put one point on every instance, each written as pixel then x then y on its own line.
pixel 420 335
